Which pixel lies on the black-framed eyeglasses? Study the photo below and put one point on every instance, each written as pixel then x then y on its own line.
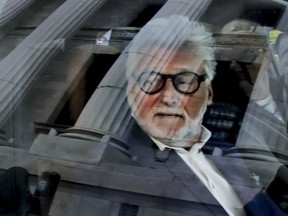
pixel 184 82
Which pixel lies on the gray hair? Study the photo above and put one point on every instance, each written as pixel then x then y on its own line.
pixel 170 33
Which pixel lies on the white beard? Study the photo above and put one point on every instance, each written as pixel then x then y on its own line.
pixel 185 136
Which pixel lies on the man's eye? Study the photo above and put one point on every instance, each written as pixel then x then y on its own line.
pixel 184 82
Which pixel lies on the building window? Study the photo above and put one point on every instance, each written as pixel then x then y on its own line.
pixel 85 88
pixel 145 15
pixel 128 210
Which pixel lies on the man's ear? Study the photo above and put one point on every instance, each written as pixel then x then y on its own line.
pixel 210 95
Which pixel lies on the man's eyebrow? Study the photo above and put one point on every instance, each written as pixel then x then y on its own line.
pixel 185 70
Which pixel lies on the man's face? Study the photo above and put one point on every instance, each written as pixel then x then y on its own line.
pixel 169 115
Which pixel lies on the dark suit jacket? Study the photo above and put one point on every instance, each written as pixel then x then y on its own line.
pixel 241 173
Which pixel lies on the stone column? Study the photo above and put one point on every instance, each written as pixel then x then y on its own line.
pixel 190 8
pixel 107 111
pixel 22 65
pixel 9 10
pixel 283 24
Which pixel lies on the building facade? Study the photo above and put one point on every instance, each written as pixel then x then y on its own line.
pixel 63 104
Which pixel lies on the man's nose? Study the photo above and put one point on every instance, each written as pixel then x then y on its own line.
pixel 169 95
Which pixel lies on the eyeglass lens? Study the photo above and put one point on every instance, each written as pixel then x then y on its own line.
pixel 183 82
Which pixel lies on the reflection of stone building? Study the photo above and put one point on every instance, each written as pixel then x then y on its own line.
pixel 53 60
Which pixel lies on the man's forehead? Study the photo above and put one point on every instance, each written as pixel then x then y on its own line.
pixel 157 60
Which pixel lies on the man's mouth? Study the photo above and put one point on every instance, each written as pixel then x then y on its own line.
pixel 163 115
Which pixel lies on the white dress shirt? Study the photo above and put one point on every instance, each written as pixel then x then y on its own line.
pixel 209 175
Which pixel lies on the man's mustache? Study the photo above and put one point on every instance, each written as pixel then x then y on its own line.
pixel 168 112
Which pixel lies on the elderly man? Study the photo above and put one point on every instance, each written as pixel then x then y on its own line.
pixel 170 67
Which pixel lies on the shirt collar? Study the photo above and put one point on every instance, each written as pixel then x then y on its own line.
pixel 205 136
